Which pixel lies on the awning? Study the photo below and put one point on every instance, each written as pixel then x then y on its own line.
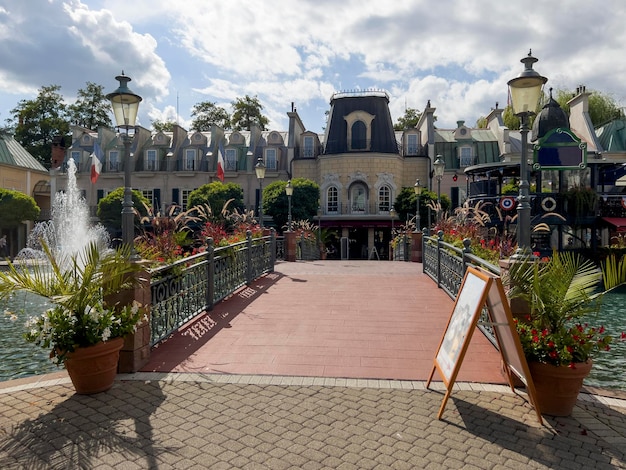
pixel 618 222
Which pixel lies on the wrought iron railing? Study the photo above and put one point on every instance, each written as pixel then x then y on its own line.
pixel 193 285
pixel 308 249
pixel 402 249
pixel 446 265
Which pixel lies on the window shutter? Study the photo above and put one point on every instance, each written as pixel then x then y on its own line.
pixel 176 196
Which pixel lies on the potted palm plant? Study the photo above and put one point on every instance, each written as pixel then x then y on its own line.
pixel 84 329
pixel 563 294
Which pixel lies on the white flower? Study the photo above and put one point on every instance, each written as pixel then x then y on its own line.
pixel 106 334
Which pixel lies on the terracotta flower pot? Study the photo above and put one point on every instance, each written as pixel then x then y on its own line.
pixel 93 369
pixel 557 387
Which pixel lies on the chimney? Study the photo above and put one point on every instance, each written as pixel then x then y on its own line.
pixel 58 152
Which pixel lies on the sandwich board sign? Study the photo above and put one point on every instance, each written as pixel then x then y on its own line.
pixel 481 290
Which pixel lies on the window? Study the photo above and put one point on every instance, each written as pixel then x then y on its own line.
pixel 359 136
pixel 358 198
pixel 184 196
pixel 75 155
pixel 411 144
pixel 151 160
pixel 114 161
pixel 465 155
pixel 270 159
pixel 230 160
pixel 308 151
pixel 190 159
pixel 384 199
pixel 332 200
pixel 149 195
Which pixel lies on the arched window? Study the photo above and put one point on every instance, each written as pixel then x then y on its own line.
pixel 384 199
pixel 332 200
pixel 358 198
pixel 359 136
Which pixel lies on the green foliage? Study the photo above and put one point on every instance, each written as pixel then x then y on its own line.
pixel 216 195
pixel 602 106
pixel 481 122
pixel 39 120
pixel 406 205
pixel 16 207
pixel 91 109
pixel 82 287
pixel 207 113
pixel 110 208
pixel 409 120
pixel 247 111
pixel 163 126
pixel 304 201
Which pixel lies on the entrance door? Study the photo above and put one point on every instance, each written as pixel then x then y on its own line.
pixel 358 243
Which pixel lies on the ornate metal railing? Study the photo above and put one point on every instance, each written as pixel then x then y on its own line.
pixel 308 249
pixel 193 285
pixel 446 265
pixel 401 251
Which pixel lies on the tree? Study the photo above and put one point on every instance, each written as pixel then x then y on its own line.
pixel 206 113
pixel 247 111
pixel 602 106
pixel 39 121
pixel 110 208
pixel 163 126
pixel 91 109
pixel 216 194
pixel 409 120
pixel 304 201
pixel 406 204
pixel 16 207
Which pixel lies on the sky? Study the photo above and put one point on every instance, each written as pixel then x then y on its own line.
pixel 459 54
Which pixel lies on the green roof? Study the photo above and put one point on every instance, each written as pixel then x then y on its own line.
pixel 12 153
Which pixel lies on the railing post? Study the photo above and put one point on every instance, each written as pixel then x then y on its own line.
pixel 406 248
pixel 210 288
pixel 302 246
pixel 467 250
pixel 273 249
pixel 425 234
pixel 439 242
pixel 249 257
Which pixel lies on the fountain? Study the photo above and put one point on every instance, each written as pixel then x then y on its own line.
pixel 69 232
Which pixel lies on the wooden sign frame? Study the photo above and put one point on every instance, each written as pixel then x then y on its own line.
pixel 481 289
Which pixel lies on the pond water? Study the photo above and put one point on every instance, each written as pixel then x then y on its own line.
pixel 21 359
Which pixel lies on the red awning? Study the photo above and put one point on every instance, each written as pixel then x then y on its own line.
pixel 618 222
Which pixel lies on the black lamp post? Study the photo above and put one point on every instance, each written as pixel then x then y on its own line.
pixel 525 92
pixel 125 104
pixel 417 188
pixel 439 167
pixel 289 192
pixel 259 168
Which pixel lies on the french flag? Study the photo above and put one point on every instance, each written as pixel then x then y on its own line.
pixel 96 162
pixel 220 162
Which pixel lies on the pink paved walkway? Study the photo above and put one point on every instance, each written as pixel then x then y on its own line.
pixel 348 319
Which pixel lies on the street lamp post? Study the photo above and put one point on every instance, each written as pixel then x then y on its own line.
pixel 259 168
pixel 439 167
pixel 125 105
pixel 417 188
pixel 289 192
pixel 525 91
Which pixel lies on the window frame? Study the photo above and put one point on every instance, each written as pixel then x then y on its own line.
pixel 189 161
pixel 332 200
pixel 384 198
pixel 113 164
pixel 271 154
pixel 150 159
pixel 230 159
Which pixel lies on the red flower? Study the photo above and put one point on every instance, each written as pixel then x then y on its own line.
pixel 535 339
pixel 553 354
pixel 550 344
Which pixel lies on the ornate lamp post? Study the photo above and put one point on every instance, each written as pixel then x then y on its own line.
pixel 392 214
pixel 259 168
pixel 525 91
pixel 125 104
pixel 289 192
pixel 417 188
pixel 439 167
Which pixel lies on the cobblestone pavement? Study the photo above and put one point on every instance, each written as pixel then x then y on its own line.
pixel 194 421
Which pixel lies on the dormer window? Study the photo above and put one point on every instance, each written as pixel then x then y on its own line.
pixel 411 144
pixel 308 150
pixel 270 159
pixel 114 161
pixel 466 156
pixel 151 160
pixel 190 159
pixel 75 155
pixel 230 160
pixel 359 130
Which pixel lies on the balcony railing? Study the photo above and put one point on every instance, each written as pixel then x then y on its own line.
pixel 358 209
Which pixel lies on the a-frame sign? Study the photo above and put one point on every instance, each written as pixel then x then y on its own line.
pixel 481 290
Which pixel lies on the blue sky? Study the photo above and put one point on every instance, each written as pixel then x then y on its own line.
pixel 459 54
